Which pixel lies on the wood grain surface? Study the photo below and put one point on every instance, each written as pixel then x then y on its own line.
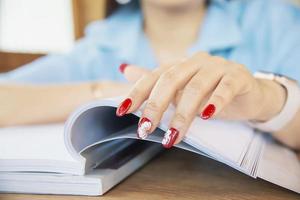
pixel 177 174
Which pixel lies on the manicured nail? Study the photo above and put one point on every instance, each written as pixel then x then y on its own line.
pixel 143 128
pixel 170 137
pixel 122 67
pixel 124 107
pixel 208 111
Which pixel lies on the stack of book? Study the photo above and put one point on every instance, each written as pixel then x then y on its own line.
pixel 95 150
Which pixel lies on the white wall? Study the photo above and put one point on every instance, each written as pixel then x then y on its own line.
pixel 36 25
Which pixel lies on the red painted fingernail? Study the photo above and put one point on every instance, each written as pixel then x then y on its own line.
pixel 170 137
pixel 208 111
pixel 144 126
pixel 124 107
pixel 122 67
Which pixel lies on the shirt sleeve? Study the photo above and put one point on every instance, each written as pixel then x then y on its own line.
pixel 69 67
pixel 289 59
pixel 286 44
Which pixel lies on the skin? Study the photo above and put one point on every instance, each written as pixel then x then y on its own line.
pixel 180 22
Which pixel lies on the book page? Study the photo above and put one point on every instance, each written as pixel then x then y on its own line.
pixel 226 138
pixel 227 141
pixel 42 142
pixel 280 165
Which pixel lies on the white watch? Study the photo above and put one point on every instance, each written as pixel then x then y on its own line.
pixel 290 108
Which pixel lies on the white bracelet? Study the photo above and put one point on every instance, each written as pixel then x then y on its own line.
pixel 290 108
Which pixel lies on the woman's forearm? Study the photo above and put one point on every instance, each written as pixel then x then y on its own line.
pixel 29 104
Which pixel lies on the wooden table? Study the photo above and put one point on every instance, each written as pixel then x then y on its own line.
pixel 177 174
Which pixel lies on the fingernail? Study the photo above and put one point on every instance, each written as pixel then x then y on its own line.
pixel 170 137
pixel 124 107
pixel 144 126
pixel 208 111
pixel 122 67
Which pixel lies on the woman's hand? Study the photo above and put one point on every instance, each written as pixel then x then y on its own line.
pixel 203 84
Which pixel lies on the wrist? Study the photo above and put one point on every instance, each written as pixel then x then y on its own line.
pixel 274 97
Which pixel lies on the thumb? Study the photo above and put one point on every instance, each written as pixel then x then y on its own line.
pixel 133 73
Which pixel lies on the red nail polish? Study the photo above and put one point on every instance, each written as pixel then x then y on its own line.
pixel 208 111
pixel 170 137
pixel 124 107
pixel 122 67
pixel 143 127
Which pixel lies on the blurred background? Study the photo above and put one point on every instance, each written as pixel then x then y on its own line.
pixel 32 28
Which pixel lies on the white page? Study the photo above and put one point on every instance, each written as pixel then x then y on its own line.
pixel 95 182
pixel 280 165
pixel 43 142
pixel 228 139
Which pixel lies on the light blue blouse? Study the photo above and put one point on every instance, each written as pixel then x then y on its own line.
pixel 261 34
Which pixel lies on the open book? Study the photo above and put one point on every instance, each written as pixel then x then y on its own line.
pixel 95 150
